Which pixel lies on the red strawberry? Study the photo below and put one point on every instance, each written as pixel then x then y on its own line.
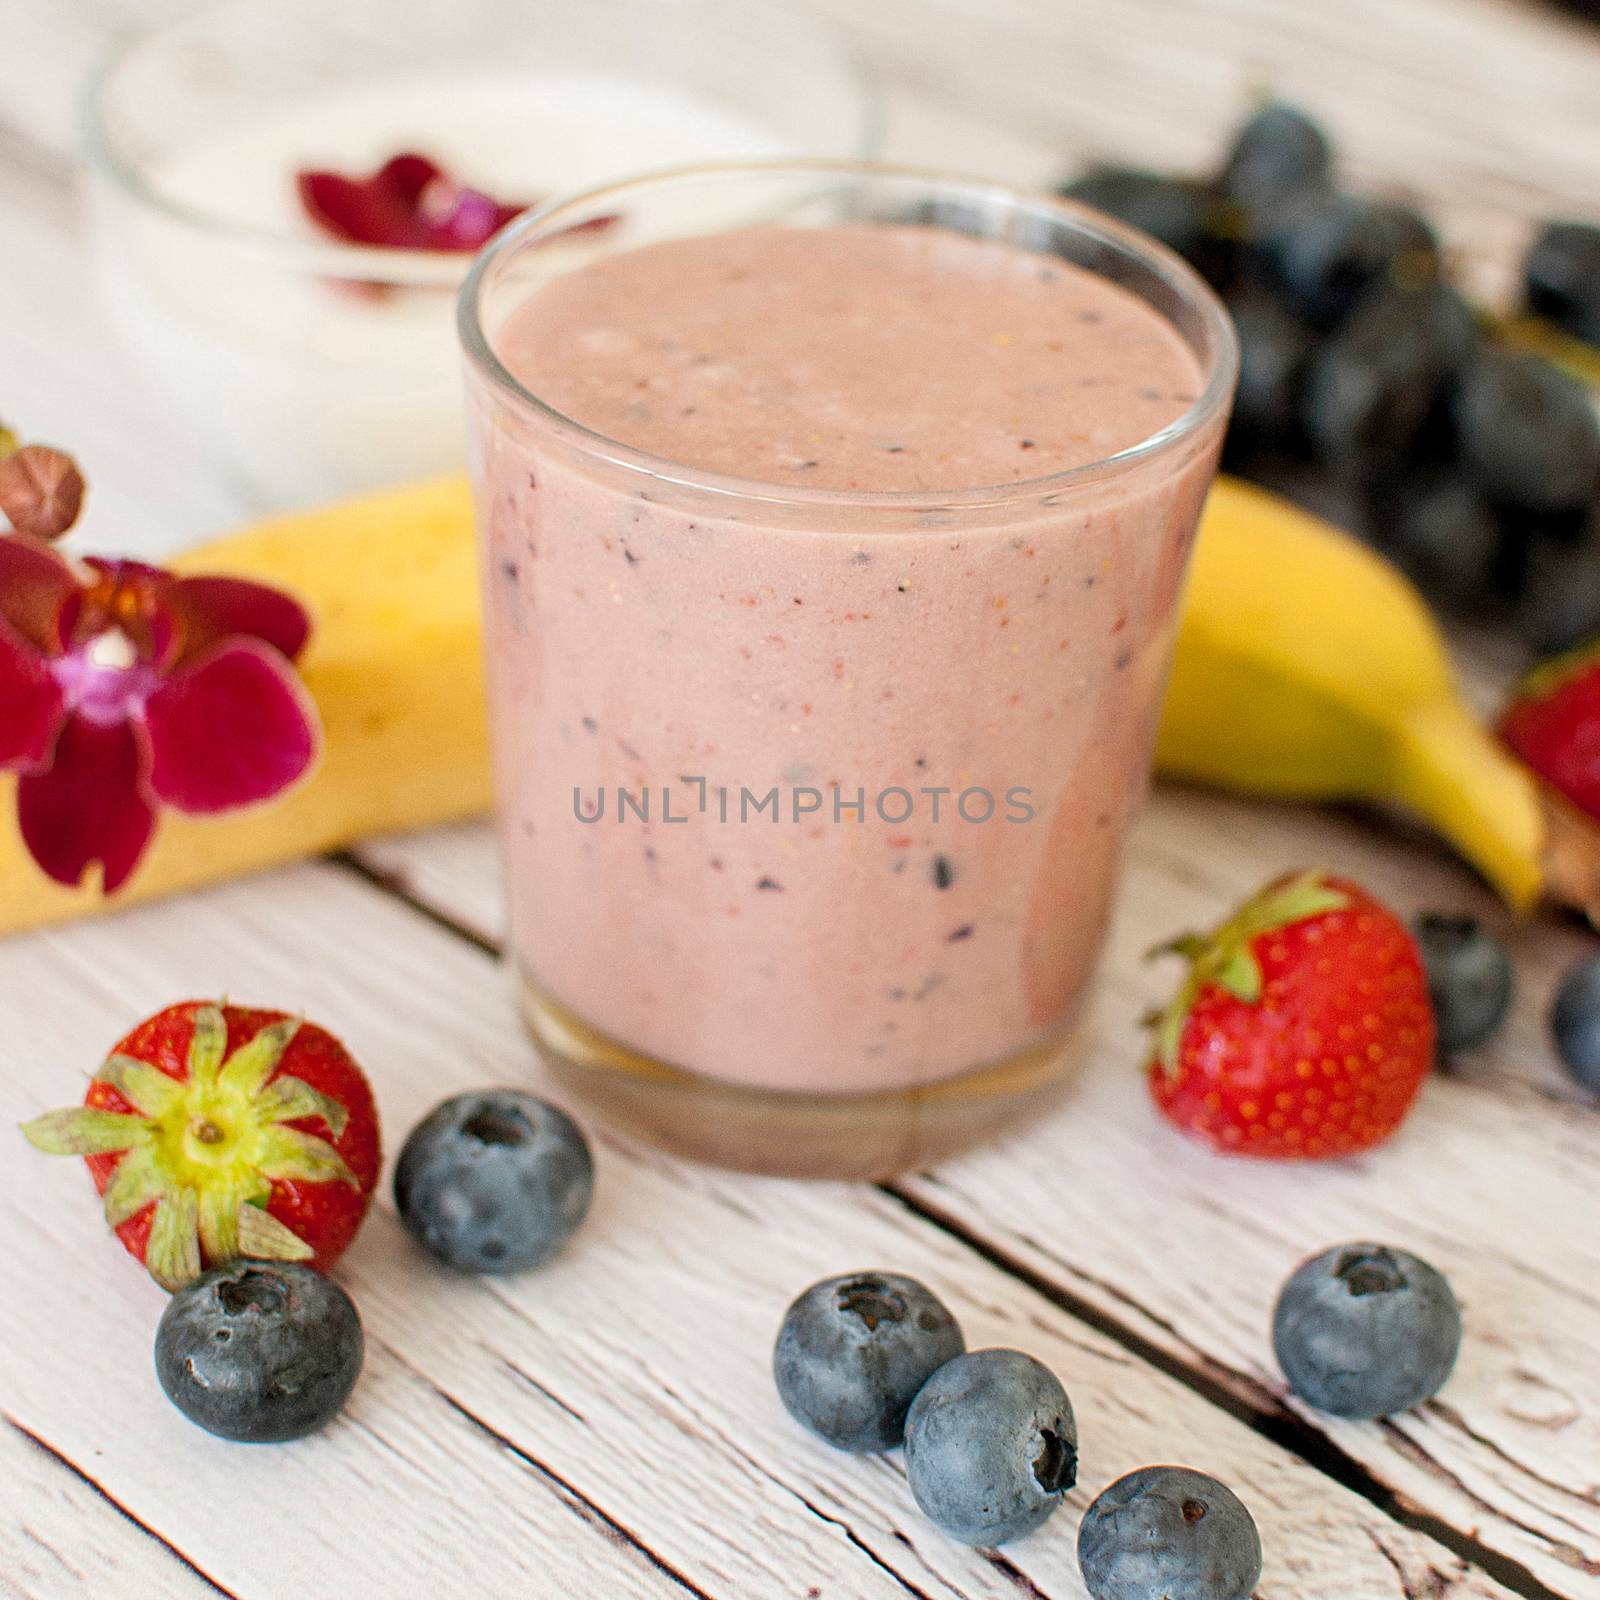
pixel 1553 723
pixel 215 1132
pixel 1304 1026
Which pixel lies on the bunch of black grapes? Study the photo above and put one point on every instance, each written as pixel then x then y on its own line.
pixel 1369 387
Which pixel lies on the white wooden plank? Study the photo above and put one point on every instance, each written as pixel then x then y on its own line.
pixel 634 1370
pixel 61 1539
pixel 392 1496
pixel 1494 1179
pixel 1484 107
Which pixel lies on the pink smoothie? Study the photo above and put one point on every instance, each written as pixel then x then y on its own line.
pixel 954 700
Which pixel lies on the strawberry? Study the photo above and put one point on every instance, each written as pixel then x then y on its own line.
pixel 1553 723
pixel 1303 1027
pixel 214 1132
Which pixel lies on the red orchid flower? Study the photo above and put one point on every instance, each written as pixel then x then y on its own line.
pixel 409 203
pixel 124 688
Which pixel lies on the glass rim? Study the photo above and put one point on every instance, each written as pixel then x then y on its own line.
pixel 405 268
pixel 551 217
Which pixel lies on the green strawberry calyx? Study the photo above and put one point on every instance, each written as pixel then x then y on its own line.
pixel 205 1150
pixel 1225 956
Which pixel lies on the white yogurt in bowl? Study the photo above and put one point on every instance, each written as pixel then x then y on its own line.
pixel 242 310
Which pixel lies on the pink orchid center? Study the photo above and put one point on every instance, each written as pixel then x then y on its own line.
pixel 103 678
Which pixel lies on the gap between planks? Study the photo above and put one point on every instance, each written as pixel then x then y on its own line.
pixel 1232 1391
pixel 1517 1468
pixel 679 1429
pixel 90 1482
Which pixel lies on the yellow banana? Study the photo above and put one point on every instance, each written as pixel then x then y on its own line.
pixel 394 668
pixel 1307 668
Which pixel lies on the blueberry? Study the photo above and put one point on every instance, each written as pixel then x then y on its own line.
pixel 1372 388
pixel 1364 1331
pixel 1469 979
pixel 991 1446
pixel 1563 278
pixel 1278 153
pixel 853 1351
pixel 1443 531
pixel 1182 214
pixel 1273 350
pixel 1528 433
pixel 1169 1531
pixel 259 1351
pixel 1324 252
pixel 1559 608
pixel 1575 1020
pixel 495 1181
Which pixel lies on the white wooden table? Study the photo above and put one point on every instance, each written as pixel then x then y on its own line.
pixel 608 1426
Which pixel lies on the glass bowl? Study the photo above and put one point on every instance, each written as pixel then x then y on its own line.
pixel 309 367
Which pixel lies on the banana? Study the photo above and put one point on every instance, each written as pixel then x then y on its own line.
pixel 1307 668
pixel 393 665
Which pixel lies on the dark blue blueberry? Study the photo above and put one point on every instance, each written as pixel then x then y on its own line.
pixel 1181 214
pixel 1563 278
pixel 1442 530
pixel 1575 1020
pixel 991 1446
pixel 1528 433
pixel 853 1351
pixel 1169 1532
pixel 1324 252
pixel 1559 607
pixel 495 1181
pixel 260 1351
pixel 1469 979
pixel 1274 346
pixel 1373 387
pixel 1364 1331
pixel 1280 152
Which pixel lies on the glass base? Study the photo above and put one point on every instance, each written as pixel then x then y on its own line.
pixel 786 1134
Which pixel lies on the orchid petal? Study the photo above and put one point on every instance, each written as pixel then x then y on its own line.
pixel 35 586
pixel 90 805
pixel 133 597
pixel 407 175
pixel 31 705
pixel 409 203
pixel 231 730
pixel 212 609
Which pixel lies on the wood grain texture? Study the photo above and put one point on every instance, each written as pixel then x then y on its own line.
pixel 63 1538
pixel 1494 1179
pixel 609 1426
pixel 610 1421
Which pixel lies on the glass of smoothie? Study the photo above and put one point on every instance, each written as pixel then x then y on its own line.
pixel 834 521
